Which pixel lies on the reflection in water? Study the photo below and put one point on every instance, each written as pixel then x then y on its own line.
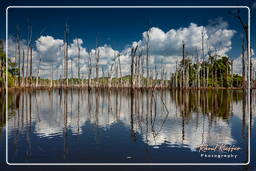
pixel 253 128
pixel 2 121
pixel 253 107
pixel 162 120
pixel 2 111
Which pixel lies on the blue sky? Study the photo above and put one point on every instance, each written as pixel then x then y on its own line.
pixel 119 28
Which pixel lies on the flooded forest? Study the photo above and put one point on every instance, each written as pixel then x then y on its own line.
pixel 150 114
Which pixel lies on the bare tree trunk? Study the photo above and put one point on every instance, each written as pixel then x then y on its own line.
pixel 31 67
pixel 110 73
pixel 78 47
pixel 28 50
pixel 19 54
pixel 102 76
pixel 243 64
pixel 38 70
pixel 82 77
pixel 132 65
pixel 142 71
pixel 203 57
pixel 52 76
pixel 246 31
pixel 72 81
pixel 26 79
pixel 198 75
pixel 136 71
pixel 15 60
pixel 66 53
pixel 180 78
pixel 133 53
pixel 232 78
pixel 147 57
pixel 176 76
pixel 57 77
pixel 227 71
pixel 207 75
pixel 90 71
pixel 23 67
pixel 188 75
pixel 161 74
pixel 183 65
pixel 156 75
pixel 97 56
pixel 120 71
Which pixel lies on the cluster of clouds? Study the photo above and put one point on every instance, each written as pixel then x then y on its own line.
pixel 215 35
pixel 164 48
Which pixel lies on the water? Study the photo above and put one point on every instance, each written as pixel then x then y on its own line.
pixel 123 126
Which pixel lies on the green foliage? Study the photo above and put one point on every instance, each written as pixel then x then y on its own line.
pixel 219 72
pixel 12 72
pixel 237 80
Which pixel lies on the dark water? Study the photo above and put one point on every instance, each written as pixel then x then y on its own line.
pixel 83 126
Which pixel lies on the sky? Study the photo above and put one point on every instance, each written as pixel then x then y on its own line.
pixel 117 30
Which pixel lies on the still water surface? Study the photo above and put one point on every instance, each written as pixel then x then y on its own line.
pixel 122 126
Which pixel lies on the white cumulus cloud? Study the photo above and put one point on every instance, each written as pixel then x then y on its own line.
pixel 164 47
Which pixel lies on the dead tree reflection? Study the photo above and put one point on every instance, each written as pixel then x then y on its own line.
pixel 147 112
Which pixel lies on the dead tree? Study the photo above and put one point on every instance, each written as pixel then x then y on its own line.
pixel 89 69
pixel 19 54
pixel 102 76
pixel 156 75
pixel 161 74
pixel 23 67
pixel 97 57
pixel 29 38
pixel 243 64
pixel 120 70
pixel 111 69
pixel 227 72
pixel 71 61
pixel 31 67
pixel 27 64
pixel 244 25
pixel 78 48
pixel 183 65
pixel 207 76
pixel 197 69
pixel 52 76
pixel 66 53
pixel 38 70
pixel 57 76
pixel 176 75
pixel 139 69
pixel 133 53
pixel 147 57
pixel 232 78
pixel 110 76
pixel 203 57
